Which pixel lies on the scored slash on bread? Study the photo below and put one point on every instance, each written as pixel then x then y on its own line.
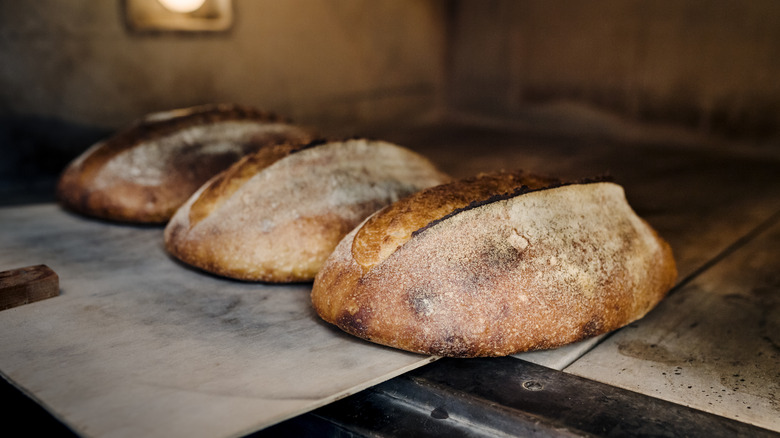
pixel 276 215
pixel 145 171
pixel 495 265
pixel 385 231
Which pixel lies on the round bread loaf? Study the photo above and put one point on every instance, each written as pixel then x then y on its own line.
pixel 495 265
pixel 277 214
pixel 144 172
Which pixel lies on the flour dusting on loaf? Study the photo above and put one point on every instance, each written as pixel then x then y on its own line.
pixel 276 215
pixel 145 172
pixel 530 269
pixel 387 230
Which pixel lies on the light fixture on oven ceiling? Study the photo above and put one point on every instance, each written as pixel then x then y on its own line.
pixel 179 15
pixel 182 6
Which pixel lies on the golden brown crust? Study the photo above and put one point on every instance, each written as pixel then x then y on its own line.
pixel 144 172
pixel 390 228
pixel 275 216
pixel 537 270
pixel 224 184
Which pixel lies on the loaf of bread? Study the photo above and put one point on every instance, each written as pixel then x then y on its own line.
pixel 144 172
pixel 277 214
pixel 495 265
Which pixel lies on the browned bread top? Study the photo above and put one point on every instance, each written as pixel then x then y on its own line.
pixel 275 215
pixel 391 227
pixel 534 269
pixel 224 184
pixel 147 170
pixel 154 126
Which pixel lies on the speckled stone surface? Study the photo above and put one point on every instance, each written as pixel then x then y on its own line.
pixel 713 345
pixel 137 344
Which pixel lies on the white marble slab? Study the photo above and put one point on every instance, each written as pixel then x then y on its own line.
pixel 140 345
pixel 713 345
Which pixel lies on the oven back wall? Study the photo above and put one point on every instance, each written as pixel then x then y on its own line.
pixel 71 72
pixel 710 66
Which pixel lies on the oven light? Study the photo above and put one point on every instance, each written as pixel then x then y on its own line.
pixel 182 6
pixel 178 15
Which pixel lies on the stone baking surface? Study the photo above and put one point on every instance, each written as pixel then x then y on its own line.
pixel 137 344
pixel 713 345
pixel 559 358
